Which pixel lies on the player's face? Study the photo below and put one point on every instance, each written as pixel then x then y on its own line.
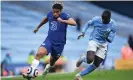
pixel 105 19
pixel 56 12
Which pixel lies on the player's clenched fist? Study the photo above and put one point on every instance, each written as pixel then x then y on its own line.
pixel 81 35
pixel 59 19
pixel 35 30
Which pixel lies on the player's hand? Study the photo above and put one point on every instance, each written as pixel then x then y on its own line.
pixel 35 30
pixel 107 34
pixel 60 20
pixel 81 35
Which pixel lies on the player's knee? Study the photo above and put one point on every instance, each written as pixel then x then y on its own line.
pixel 90 56
pixel 40 54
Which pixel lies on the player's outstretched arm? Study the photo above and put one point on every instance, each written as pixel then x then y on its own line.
pixel 70 21
pixel 87 25
pixel 45 20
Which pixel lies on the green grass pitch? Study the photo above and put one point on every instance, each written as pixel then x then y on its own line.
pixel 96 75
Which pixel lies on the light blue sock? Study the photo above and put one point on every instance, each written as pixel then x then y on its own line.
pixel 88 70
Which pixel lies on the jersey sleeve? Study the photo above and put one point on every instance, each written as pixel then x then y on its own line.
pixel 112 33
pixel 67 16
pixel 88 24
pixel 48 14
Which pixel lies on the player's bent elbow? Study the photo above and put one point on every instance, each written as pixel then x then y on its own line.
pixel 74 24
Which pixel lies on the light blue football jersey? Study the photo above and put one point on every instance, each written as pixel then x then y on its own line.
pixel 100 29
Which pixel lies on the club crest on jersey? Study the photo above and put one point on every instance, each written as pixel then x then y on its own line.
pixel 53 25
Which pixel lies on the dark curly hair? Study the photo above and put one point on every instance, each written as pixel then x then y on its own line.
pixel 57 6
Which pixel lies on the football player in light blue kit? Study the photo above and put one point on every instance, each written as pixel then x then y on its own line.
pixel 103 33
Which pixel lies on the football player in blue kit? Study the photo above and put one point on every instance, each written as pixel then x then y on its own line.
pixel 103 33
pixel 56 39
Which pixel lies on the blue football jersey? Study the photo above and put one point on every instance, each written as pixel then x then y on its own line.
pixel 57 30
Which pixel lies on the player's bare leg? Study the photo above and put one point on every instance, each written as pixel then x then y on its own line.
pixel 48 66
pixel 41 53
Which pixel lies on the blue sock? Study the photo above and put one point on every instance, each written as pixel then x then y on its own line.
pixel 88 70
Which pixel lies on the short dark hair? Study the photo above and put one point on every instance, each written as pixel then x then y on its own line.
pixel 106 13
pixel 57 6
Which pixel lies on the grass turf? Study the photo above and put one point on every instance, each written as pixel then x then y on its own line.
pixel 96 75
